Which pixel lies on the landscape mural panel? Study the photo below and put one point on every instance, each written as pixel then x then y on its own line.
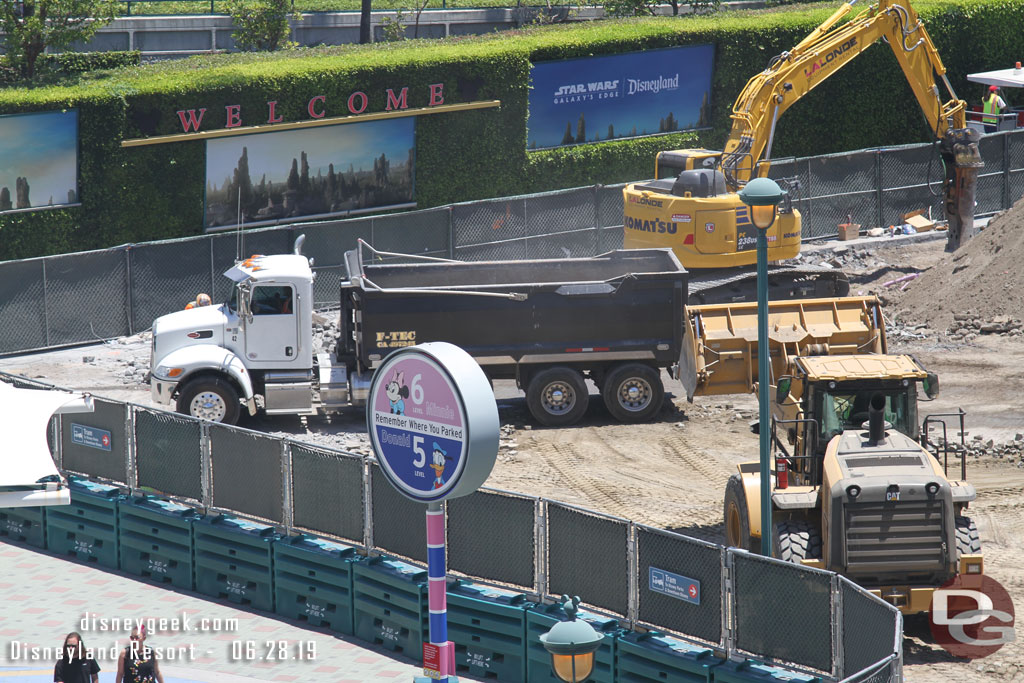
pixel 38 160
pixel 594 99
pixel 321 171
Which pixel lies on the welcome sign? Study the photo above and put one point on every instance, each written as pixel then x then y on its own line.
pixel 603 98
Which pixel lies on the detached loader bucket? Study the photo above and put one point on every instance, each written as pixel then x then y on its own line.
pixel 960 153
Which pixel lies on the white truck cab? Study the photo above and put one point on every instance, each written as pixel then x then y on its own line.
pixel 209 360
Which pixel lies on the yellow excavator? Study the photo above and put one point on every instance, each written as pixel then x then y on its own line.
pixel 693 207
pixel 857 486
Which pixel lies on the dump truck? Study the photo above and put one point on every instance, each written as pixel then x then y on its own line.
pixel 857 486
pixel 693 205
pixel 616 319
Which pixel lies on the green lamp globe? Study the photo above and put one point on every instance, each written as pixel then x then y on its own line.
pixel 572 645
pixel 762 195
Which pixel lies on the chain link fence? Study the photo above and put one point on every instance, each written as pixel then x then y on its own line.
pixel 738 603
pixel 84 297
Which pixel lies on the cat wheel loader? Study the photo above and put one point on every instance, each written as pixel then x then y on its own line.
pixel 857 487
pixel 693 205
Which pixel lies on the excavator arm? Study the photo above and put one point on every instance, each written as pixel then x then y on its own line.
pixel 827 49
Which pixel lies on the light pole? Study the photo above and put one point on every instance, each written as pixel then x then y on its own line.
pixel 572 645
pixel 763 195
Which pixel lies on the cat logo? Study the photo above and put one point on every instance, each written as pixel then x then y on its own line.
pixel 709 228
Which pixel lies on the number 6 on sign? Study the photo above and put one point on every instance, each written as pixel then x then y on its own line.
pixel 417 448
pixel 417 390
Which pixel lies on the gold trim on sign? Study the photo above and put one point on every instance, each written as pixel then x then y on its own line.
pixel 334 121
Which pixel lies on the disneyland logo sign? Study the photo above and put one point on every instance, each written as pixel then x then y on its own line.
pixel 654 86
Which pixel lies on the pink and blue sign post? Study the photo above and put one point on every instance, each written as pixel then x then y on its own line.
pixel 433 424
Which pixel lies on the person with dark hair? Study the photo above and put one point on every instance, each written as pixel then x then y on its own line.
pixel 74 666
pixel 136 664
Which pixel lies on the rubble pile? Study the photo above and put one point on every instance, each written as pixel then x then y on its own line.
pixel 978 447
pixel 985 274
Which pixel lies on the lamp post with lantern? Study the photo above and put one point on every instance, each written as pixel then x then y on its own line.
pixel 572 644
pixel 763 195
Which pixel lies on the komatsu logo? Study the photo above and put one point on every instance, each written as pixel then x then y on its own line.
pixel 821 63
pixel 651 226
pixel 654 86
pixel 644 201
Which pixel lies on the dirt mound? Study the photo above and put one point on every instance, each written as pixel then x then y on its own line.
pixel 983 281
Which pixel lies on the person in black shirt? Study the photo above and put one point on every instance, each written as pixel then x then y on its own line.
pixel 137 663
pixel 74 666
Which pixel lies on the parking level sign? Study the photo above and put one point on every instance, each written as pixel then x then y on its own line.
pixel 91 437
pixel 674 585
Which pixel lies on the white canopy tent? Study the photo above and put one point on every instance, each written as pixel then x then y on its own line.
pixel 28 474
pixel 1004 78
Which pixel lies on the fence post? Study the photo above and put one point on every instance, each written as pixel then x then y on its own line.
pixel 131 473
pixel 451 232
pixel 206 455
pixel 286 486
pixel 838 660
pixel 367 508
pixel 46 313
pixel 540 542
pixel 526 230
pixel 728 606
pixel 596 194
pixel 633 564
pixel 1007 203
pixel 878 186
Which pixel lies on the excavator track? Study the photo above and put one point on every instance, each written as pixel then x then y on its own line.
pixel 723 286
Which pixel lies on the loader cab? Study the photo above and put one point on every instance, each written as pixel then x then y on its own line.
pixel 837 407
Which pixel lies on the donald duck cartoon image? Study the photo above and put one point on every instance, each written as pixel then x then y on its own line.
pixel 439 456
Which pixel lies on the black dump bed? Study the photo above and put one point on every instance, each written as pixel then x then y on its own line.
pixel 625 304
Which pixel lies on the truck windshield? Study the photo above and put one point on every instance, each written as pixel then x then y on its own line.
pixel 845 408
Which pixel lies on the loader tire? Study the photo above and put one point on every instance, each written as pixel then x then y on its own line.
pixel 797 540
pixel 736 515
pixel 557 397
pixel 967 540
pixel 210 398
pixel 633 392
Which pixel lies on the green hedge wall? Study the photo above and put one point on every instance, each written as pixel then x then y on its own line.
pixel 145 193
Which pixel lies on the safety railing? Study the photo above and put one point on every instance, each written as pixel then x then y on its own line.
pixel 743 605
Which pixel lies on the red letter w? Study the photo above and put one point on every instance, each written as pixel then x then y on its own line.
pixel 191 121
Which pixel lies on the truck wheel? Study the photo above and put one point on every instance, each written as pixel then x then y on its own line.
pixel 633 392
pixel 967 540
pixel 210 398
pixel 797 540
pixel 557 397
pixel 737 518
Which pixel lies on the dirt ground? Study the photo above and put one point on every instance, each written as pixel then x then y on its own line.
pixel 672 472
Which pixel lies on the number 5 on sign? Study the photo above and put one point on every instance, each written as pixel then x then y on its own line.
pixel 417 448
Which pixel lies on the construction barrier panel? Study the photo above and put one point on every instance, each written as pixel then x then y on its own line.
pixel 390 605
pixel 24 525
pixel 87 528
pixel 654 657
pixel 488 627
pixel 539 621
pixel 313 581
pixel 156 540
pixel 750 671
pixel 234 560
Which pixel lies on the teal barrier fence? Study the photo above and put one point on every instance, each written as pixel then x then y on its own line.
pixel 155 536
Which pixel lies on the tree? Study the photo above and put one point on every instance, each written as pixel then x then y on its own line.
pixel 365 15
pixel 581 130
pixel 33 26
pixel 5 200
pixel 261 25
pixel 293 176
pixel 568 139
pixel 611 132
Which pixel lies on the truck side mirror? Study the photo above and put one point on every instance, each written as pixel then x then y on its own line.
pixel 244 302
pixel 931 385
pixel 782 390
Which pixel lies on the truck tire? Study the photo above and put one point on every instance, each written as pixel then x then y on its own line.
pixel 557 396
pixel 737 518
pixel 210 398
pixel 633 392
pixel 967 540
pixel 797 540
